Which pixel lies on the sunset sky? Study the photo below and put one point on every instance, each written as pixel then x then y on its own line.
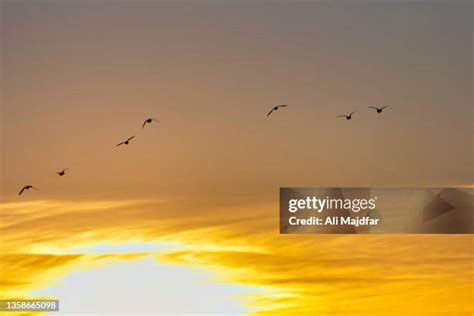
pixel 192 202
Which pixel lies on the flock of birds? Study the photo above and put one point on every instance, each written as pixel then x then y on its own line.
pixel 347 116
pixel 63 172
pixel 379 110
pixel 151 120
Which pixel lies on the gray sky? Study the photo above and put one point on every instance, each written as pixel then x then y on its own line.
pixel 81 76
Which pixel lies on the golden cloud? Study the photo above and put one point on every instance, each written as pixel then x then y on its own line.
pixel 298 274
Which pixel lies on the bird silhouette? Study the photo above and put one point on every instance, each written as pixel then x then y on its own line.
pixel 125 142
pixel 62 173
pixel 147 121
pixel 379 110
pixel 27 187
pixel 348 117
pixel 275 108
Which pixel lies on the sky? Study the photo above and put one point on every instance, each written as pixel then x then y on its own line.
pixel 78 77
pixel 81 76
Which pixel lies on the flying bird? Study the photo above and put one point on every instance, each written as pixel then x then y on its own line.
pixel 348 117
pixel 147 121
pixel 125 142
pixel 62 173
pixel 27 187
pixel 379 110
pixel 275 108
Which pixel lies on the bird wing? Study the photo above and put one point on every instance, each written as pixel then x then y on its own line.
pixel 384 107
pixel 34 188
pixel 119 144
pixel 270 112
pixel 144 123
pixel 373 107
pixel 282 106
pixel 342 116
pixel 154 119
pixel 130 138
pixel 351 113
pixel 22 191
